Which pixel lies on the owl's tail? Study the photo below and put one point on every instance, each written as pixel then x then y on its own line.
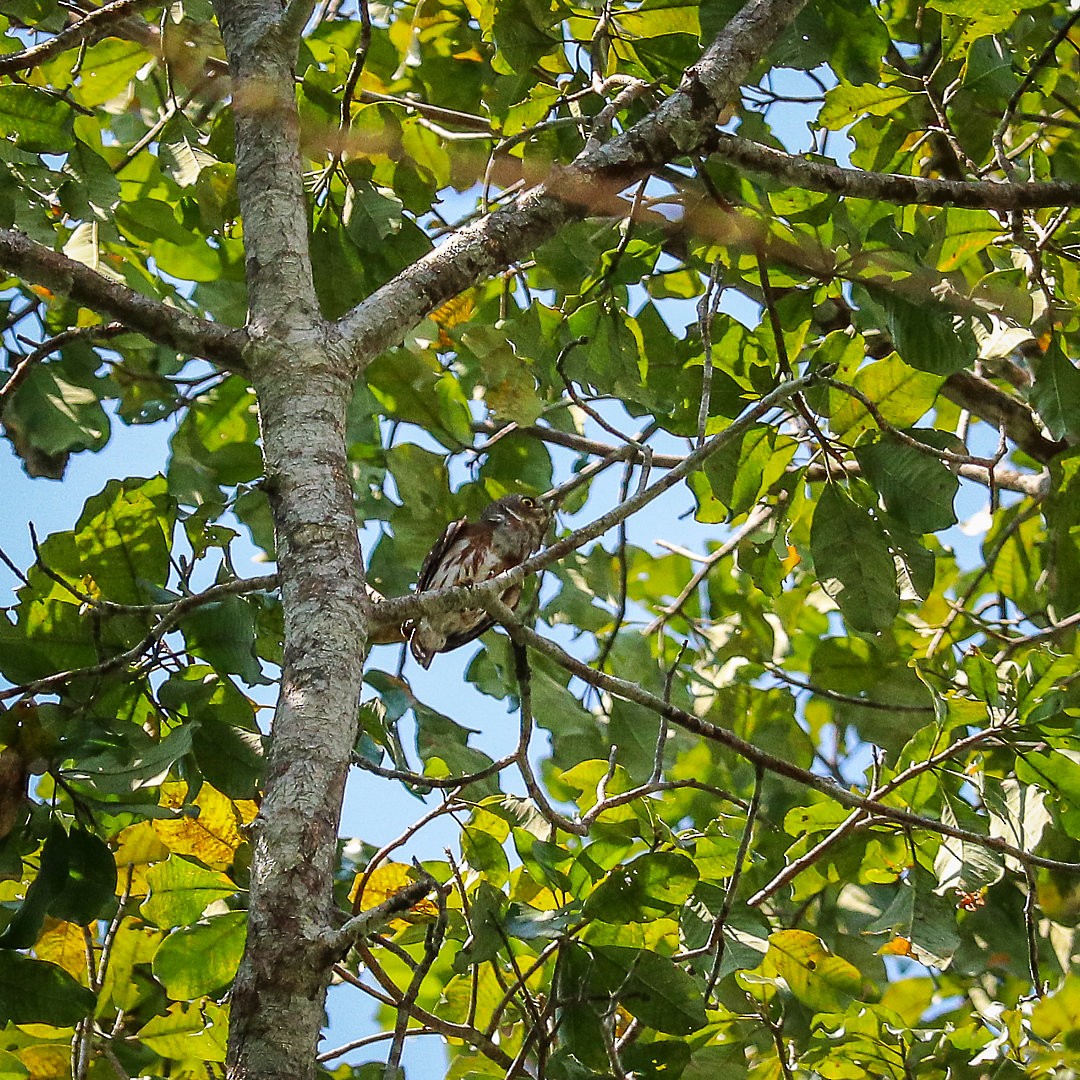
pixel 422 654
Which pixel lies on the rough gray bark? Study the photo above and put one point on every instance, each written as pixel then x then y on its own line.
pixel 159 322
pixel 891 187
pixel 303 389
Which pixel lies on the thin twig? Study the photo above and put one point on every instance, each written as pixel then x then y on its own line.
pixel 432 946
pixel 1037 987
pixel 998 138
pixel 94 24
pixel 857 817
pixel 706 312
pixel 171 615
pixel 446 1028
pixel 717 932
pixel 620 556
pixel 351 80
pixel 784 362
pixel 631 691
pixel 757 517
pixel 847 699
pixel 367 1040
pixel 22 370
pixel 536 792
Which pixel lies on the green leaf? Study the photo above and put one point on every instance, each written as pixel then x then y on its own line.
pixel 47 636
pixel 37 992
pixel 980 10
pixel 652 886
pixel 902 395
pixel 93 190
pixel 487 935
pixel 195 960
pixel 521 31
pixel 133 764
pixel 748 466
pixel 443 746
pixel 844 104
pixel 1056 392
pixel 229 755
pixel 35 120
pixel 414 388
pixel 967 234
pixel 859 40
pixel 927 335
pixel 1057 772
pixel 216 444
pixel 337 265
pixel 221 633
pixel 90 886
pixel 530 924
pixel 11 1068
pixel 124 535
pixel 925 919
pixel 917 488
pixel 180 891
pixel 57 415
pixel 660 1060
pixel 44 889
pixel 652 988
pixel 188 1032
pixel 852 561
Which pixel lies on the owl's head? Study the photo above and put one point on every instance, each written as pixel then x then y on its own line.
pixel 519 512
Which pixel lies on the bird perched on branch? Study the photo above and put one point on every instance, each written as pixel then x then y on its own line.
pixel 508 532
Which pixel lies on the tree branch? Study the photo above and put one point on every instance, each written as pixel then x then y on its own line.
pixel 155 320
pixel 21 371
pixel 999 409
pixel 93 24
pixel 1022 424
pixel 630 691
pixel 463 596
pixel 375 918
pixel 677 127
pixel 891 187
pixel 171 613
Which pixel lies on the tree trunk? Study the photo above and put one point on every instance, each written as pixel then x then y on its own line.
pixel 303 389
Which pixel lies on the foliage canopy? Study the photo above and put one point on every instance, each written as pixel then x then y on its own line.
pixel 808 793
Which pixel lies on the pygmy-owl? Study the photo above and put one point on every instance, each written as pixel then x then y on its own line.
pixel 508 532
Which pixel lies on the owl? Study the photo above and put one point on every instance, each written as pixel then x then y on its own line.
pixel 508 532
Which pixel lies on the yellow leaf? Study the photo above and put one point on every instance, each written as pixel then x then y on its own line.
pixel 451 313
pixel 899 946
pixel 209 829
pixel 90 587
pixel 455 311
pixel 46 1062
pixel 818 978
pixel 63 943
pixel 139 848
pixel 386 881
pixel 793 559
